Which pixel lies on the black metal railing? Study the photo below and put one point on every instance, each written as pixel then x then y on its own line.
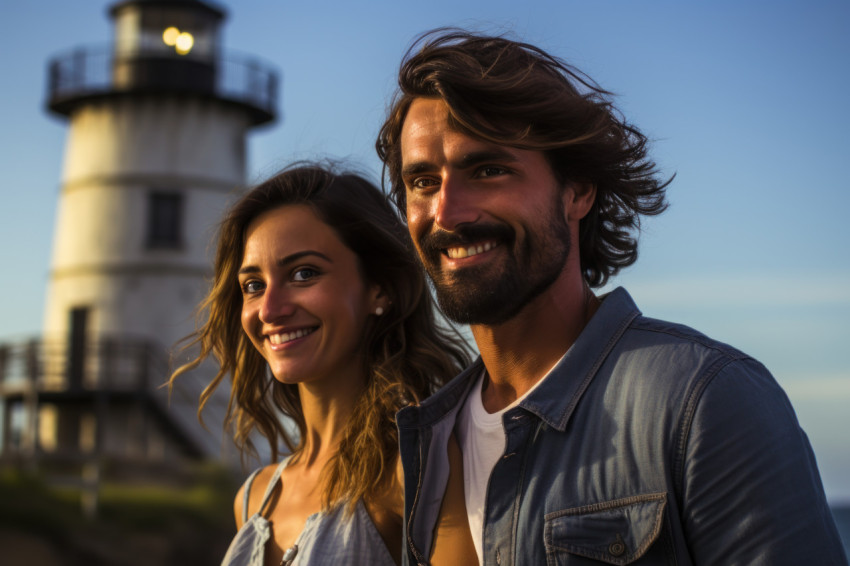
pixel 91 71
pixel 116 371
pixel 43 365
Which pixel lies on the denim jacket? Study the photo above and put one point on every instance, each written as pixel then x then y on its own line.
pixel 647 444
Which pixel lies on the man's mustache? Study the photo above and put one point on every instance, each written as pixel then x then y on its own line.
pixel 433 243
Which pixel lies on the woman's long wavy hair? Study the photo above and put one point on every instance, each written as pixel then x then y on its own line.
pixel 515 94
pixel 408 353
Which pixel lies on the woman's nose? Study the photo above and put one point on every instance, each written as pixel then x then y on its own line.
pixel 277 303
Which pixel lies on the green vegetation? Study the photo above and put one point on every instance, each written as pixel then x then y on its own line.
pixel 189 521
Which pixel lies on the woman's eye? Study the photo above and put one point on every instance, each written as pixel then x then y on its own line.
pixel 304 274
pixel 251 287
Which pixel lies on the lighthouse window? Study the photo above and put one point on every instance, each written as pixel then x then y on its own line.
pixel 165 215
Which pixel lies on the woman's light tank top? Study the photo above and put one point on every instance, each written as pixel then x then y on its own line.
pixel 329 537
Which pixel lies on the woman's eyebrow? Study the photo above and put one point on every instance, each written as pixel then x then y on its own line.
pixel 286 260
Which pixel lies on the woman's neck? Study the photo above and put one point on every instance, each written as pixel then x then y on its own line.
pixel 326 416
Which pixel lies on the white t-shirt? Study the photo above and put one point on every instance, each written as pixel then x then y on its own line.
pixel 482 441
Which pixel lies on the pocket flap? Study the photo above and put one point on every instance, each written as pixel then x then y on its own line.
pixel 615 532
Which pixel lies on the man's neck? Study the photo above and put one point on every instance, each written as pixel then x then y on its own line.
pixel 521 351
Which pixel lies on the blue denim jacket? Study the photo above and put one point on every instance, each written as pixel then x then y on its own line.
pixel 648 443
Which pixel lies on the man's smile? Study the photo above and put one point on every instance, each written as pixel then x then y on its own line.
pixel 460 252
pixel 466 242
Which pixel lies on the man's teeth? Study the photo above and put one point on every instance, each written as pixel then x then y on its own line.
pixel 460 253
pixel 289 336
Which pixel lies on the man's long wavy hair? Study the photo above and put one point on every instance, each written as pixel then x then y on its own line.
pixel 515 94
pixel 408 354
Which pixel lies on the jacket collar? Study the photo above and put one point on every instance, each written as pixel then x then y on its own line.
pixel 555 399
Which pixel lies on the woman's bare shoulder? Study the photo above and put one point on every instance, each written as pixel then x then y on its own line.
pixel 255 495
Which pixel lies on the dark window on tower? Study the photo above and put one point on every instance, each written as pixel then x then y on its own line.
pixel 165 220
pixel 77 346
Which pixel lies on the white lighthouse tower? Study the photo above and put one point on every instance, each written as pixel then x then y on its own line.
pixel 155 150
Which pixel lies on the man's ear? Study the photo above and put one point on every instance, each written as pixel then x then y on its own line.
pixel 578 200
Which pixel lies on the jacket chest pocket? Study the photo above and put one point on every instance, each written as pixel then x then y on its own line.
pixel 611 532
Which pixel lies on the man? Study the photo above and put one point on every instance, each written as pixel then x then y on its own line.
pixel 589 433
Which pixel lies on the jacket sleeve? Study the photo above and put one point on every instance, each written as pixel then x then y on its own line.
pixel 750 488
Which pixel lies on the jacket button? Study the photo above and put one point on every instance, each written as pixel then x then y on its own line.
pixel 617 548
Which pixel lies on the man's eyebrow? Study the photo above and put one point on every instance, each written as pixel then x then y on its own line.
pixel 478 157
pixel 286 260
pixel 416 168
pixel 465 162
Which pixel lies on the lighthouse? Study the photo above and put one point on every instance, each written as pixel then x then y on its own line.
pixel 157 126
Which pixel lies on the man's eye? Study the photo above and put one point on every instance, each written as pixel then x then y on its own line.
pixel 491 171
pixel 423 183
pixel 251 287
pixel 304 274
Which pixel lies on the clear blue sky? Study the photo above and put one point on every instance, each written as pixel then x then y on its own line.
pixel 747 103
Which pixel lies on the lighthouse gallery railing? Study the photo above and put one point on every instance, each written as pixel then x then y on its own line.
pixel 87 72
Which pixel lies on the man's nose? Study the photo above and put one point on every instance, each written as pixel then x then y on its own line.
pixel 277 303
pixel 456 204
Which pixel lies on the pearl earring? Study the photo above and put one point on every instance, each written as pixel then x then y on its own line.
pixel 379 311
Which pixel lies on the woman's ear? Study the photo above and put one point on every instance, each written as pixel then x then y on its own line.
pixel 379 300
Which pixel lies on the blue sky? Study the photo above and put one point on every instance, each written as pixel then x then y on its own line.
pixel 746 103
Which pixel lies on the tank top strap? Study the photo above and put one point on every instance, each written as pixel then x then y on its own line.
pixel 247 492
pixel 272 484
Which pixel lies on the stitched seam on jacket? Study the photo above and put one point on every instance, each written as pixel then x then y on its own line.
pixel 412 547
pixel 517 501
pixel 709 343
pixel 686 423
pixel 660 497
pixel 607 505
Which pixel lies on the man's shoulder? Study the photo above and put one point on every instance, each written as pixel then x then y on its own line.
pixel 664 352
pixel 666 368
pixel 630 333
pixel 665 334
pixel 619 324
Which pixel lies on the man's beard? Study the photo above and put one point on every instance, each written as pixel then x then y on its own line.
pixel 489 295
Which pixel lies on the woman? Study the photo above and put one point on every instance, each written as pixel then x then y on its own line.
pixel 319 310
